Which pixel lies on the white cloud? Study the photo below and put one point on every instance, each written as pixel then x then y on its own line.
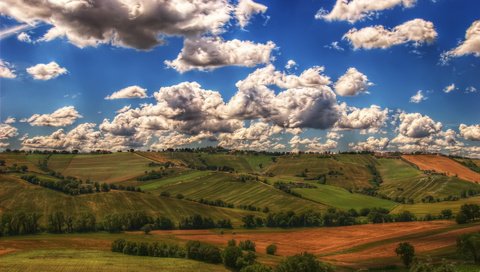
pixel 471 133
pixel 47 71
pixel 334 46
pixel 128 92
pixel 450 88
pixel 369 120
pixel 129 23
pixel 371 144
pixel 415 125
pixel 246 9
pixel 6 70
pixel 7 32
pixel 208 53
pixel 24 37
pixel 352 83
pixel 311 144
pixel 10 120
pixel 418 97
pixel 417 31
pixel 258 136
pixel 291 64
pixel 6 132
pixel 61 117
pixel 470 46
pixel 356 10
pixel 471 89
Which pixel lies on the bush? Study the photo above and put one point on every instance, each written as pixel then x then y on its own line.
pixel 271 249
pixel 256 268
pixel 230 255
pixel 247 245
pixel 304 262
pixel 197 250
pixel 406 252
pixel 147 228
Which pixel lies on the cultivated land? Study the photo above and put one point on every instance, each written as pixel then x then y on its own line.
pixel 318 183
pixel 442 164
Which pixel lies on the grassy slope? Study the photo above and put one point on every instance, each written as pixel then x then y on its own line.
pixel 401 179
pixel 436 208
pixel 17 195
pixel 343 199
pixel 353 167
pixel 96 260
pixel 183 176
pixel 228 188
pixel 30 160
pixel 114 167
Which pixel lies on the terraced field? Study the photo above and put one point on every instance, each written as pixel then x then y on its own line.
pixel 229 188
pixel 108 168
pixel 442 164
pixel 18 195
pixel 343 199
pixel 348 171
pixel 400 179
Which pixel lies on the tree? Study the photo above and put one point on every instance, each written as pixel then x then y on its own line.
pixel 249 221
pixel 461 218
pixel 230 255
pixel 56 222
pixel 256 268
pixel 304 262
pixel 469 246
pixel 247 245
pixel 271 249
pixel 446 214
pixel 406 252
pixel 147 228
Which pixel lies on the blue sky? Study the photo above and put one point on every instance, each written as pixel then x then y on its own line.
pixel 397 72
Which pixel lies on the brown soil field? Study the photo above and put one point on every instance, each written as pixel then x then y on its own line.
pixel 318 241
pixel 442 164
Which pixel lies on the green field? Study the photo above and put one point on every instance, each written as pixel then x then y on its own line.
pixel 185 176
pixel 422 209
pixel 96 260
pixel 18 195
pixel 343 199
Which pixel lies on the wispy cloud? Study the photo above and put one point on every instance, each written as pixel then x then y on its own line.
pixel 9 31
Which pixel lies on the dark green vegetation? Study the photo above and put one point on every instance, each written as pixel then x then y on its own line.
pixel 149 191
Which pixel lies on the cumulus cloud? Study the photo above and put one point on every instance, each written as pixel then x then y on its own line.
pixel 371 144
pixel 6 132
pixel 61 117
pixel 368 120
pixel 128 23
pixel 128 92
pixel 246 9
pixel 208 53
pixel 10 120
pixel 470 46
pixel 356 10
pixel 417 31
pixel 6 70
pixel 24 37
pixel 471 133
pixel 291 64
pixel 416 125
pixel 450 88
pixel 311 144
pixel 418 97
pixel 352 83
pixel 258 136
pixel 47 71
pixel 334 46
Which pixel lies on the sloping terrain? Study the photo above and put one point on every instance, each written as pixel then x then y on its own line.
pixel 442 164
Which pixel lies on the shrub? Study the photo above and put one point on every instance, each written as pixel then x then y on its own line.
pixel 304 262
pixel 256 268
pixel 230 255
pixel 197 250
pixel 406 252
pixel 247 245
pixel 271 249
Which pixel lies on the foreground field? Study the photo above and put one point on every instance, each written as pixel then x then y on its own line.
pixel 442 164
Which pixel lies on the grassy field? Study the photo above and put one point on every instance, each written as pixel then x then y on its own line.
pixel 350 170
pixel 184 176
pixel 422 209
pixel 18 195
pixel 343 199
pixel 109 168
pixel 229 188
pixel 96 260
pixel 30 160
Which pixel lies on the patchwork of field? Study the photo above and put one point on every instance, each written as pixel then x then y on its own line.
pixel 443 164
pixel 422 209
pixel 18 195
pixel 30 160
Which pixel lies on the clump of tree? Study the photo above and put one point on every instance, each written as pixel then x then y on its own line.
pixel 199 251
pixel 58 222
pixel 468 246
pixel 430 266
pixel 19 223
pixel 271 249
pixel 155 249
pixel 406 252
pixel 217 203
pixel 152 175
pixel 288 187
pixel 247 245
pixel 468 213
pixel 117 222
pixel 304 262
pixel 234 258
pixel 200 222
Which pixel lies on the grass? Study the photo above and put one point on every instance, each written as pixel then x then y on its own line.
pixel 229 188
pixel 403 180
pixel 185 176
pixel 422 209
pixel 343 199
pixel 96 260
pixel 109 168
pixel 18 195
pixel 30 160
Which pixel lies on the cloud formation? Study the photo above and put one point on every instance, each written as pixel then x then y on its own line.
pixel 6 132
pixel 371 144
pixel 470 46
pixel 208 53
pixel 368 120
pixel 450 88
pixel 128 23
pixel 418 97
pixel 352 83
pixel 417 31
pixel 128 92
pixel 61 117
pixel 47 71
pixel 356 10
pixel 471 133
pixel 416 125
pixel 6 70
pixel 246 9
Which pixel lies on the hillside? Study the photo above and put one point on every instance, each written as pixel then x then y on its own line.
pixel 442 164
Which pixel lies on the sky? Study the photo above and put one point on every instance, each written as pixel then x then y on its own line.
pixel 309 75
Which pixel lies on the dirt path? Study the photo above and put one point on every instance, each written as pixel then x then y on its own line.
pixel 442 164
